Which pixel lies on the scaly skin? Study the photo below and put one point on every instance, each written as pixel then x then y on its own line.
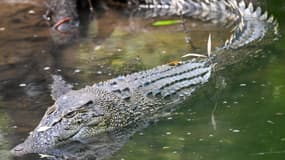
pixel 127 100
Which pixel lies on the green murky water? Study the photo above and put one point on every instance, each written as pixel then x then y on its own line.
pixel 241 120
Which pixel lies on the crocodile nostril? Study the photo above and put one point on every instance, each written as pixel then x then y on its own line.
pixel 18 150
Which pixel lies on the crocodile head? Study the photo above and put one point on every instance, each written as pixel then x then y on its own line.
pixel 62 15
pixel 70 118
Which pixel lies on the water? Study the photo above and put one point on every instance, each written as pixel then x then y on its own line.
pixel 241 119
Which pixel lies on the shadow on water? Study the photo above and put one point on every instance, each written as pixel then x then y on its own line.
pixel 249 109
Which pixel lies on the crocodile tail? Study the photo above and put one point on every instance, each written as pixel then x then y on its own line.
pixel 214 11
pixel 254 25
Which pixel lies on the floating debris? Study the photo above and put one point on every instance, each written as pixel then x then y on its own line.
pixel 235 130
pixel 31 11
pixel 253 82
pixel 14 127
pixel 209 46
pixel 181 139
pixel 168 133
pixel 189 133
pixel 169 118
pixel 166 22
pixel 213 119
pixel 165 147
pixel 279 114
pixel 272 152
pixel 97 48
pixel 242 85
pixel 270 122
pixel 194 55
pixel 22 85
pixel 77 70
pixel 2 28
pixel 99 72
pixel 46 68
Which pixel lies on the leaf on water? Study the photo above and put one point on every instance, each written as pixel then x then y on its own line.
pixel 209 46
pixel 43 128
pixel 194 55
pixel 166 22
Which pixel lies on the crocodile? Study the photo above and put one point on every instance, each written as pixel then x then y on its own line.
pixel 141 97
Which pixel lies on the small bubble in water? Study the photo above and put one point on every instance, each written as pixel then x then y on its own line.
pixel 211 135
pixel 46 68
pixel 181 139
pixel 242 85
pixel 119 50
pixel 279 114
pixel 14 127
pixel 2 28
pixel 169 118
pixel 32 12
pixel 97 48
pixel 270 122
pixel 77 70
pixel 235 130
pixel 188 133
pixel 168 133
pixel 99 72
pixel 22 85
pixel 141 134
